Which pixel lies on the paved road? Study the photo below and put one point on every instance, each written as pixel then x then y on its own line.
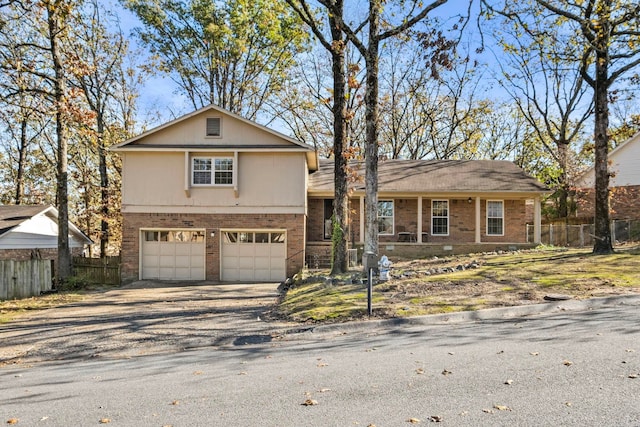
pixel 568 368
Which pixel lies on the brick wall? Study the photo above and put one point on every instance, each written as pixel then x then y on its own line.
pixel 27 254
pixel 315 224
pixel 624 202
pixel 461 221
pixel 133 222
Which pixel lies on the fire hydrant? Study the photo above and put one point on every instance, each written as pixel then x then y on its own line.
pixel 384 265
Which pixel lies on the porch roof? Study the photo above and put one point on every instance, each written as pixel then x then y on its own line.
pixel 435 176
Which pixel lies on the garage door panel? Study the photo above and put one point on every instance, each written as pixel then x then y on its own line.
pixel 151 248
pixel 183 261
pixel 197 262
pixel 263 274
pixel 183 249
pixel 245 262
pixel 167 249
pixel 263 263
pixel 182 273
pixel 262 249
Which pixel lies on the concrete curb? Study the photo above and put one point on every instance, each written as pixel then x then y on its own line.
pixel 501 313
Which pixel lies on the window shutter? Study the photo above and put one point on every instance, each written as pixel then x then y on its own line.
pixel 213 126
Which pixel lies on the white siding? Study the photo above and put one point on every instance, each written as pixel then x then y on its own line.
pixel 624 164
pixel 38 232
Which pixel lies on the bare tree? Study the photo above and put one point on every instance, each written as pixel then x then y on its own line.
pixel 550 93
pixel 607 35
pixel 336 46
pixel 369 47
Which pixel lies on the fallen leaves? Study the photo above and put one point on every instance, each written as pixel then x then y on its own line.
pixel 567 362
pixel 420 371
pixel 12 421
pixel 309 402
pixel 105 420
pixel 501 408
pixel 413 421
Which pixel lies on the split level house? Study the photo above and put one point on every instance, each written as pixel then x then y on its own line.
pixel 213 196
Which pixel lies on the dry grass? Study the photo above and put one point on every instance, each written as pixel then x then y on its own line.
pixel 419 287
pixel 11 309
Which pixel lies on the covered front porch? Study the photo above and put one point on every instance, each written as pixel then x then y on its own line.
pixel 419 226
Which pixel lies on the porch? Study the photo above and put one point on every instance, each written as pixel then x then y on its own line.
pixel 425 226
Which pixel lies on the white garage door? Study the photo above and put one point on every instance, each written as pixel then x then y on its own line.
pixel 173 254
pixel 253 256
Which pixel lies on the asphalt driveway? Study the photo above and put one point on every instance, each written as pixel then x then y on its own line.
pixel 144 318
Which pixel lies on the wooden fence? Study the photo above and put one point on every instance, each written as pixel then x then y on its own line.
pixel 104 271
pixel 23 279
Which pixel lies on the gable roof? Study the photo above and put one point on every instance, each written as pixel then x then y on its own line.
pixel 436 176
pixel 11 216
pixel 134 143
pixel 622 160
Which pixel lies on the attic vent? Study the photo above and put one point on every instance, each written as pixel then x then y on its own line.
pixel 213 126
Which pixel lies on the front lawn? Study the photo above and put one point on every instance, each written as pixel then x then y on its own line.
pixel 462 283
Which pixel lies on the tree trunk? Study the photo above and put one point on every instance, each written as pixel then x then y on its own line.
pixel 22 160
pixel 371 144
pixel 563 191
pixel 339 235
pixel 104 187
pixel 603 244
pixel 64 254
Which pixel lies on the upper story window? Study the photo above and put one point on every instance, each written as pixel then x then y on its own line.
pixel 214 126
pixel 440 217
pixel 385 217
pixel 495 217
pixel 212 171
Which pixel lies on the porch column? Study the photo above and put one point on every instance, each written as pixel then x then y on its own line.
pixel 419 232
pixel 537 221
pixel 478 221
pixel 361 219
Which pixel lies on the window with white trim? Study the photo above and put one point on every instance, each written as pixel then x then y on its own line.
pixel 385 217
pixel 439 217
pixel 495 217
pixel 214 127
pixel 212 171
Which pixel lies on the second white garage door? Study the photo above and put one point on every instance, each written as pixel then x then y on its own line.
pixel 253 256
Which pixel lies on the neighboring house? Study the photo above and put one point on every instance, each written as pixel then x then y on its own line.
pixel 624 183
pixel 28 232
pixel 213 196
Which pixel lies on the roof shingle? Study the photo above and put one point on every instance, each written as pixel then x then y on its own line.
pixel 436 176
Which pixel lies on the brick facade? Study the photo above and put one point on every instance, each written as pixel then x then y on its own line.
pixel 27 254
pixel 134 222
pixel 624 202
pixel 461 221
